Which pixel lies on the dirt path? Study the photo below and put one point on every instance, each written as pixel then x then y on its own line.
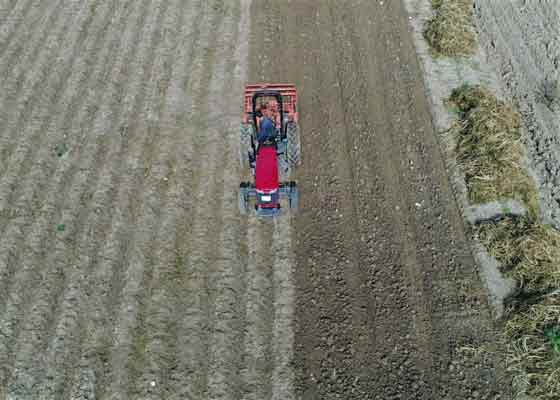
pixel 387 290
pixel 126 270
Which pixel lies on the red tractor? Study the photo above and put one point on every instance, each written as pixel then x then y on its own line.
pixel 271 159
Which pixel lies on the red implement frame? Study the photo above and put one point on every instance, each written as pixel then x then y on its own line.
pixel 289 98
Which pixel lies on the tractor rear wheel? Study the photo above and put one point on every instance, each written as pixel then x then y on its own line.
pixel 245 144
pixel 293 144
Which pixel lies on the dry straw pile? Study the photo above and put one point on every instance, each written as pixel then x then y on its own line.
pixel 528 251
pixel 534 349
pixel 450 32
pixel 490 152
pixel 489 148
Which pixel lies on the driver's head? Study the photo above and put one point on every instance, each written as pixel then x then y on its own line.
pixel 267 112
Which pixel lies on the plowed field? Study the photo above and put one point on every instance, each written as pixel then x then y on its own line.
pixel 126 270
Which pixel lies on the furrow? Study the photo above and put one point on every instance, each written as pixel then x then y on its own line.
pixel 21 81
pixel 11 19
pixel 257 371
pixel 284 298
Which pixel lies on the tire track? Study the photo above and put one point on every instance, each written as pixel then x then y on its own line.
pixel 284 299
pixel 257 372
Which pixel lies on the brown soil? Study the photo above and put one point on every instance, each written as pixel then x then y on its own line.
pixel 387 290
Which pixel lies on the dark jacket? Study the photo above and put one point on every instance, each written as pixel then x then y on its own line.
pixel 267 130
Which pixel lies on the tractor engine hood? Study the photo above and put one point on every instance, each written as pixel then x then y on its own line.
pixel 266 172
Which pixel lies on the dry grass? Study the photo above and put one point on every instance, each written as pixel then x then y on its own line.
pixel 533 352
pixel 450 32
pixel 528 251
pixel 489 149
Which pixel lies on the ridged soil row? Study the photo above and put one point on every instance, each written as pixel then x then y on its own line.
pixel 337 308
pixel 46 96
pixel 39 242
pixel 206 250
pixel 12 14
pixel 24 46
pixel 226 340
pixel 11 263
pixel 132 135
pixel 166 363
pixel 284 306
pixel 39 194
pixel 37 140
pixel 125 174
pixel 31 225
pixel 94 375
pixel 155 353
pixel 91 239
pixel 73 112
pixel 168 282
pixel 213 60
pixel 24 74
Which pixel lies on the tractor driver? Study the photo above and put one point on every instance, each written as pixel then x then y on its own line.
pixel 267 127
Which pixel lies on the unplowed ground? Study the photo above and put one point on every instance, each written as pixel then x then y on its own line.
pixel 126 270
